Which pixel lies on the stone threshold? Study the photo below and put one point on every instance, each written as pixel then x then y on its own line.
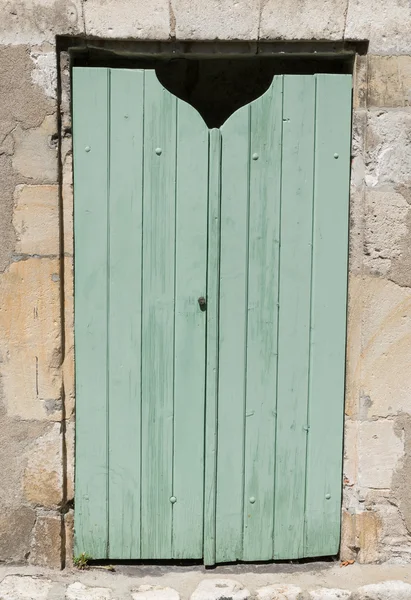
pixel 311 581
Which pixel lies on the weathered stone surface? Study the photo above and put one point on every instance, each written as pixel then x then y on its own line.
pixel 216 20
pixel 35 151
pixel 354 346
pixel 278 592
pixel 389 82
pixel 125 19
pixel 379 452
pixel 219 589
pixel 38 21
pixel 386 25
pixel 14 587
pixel 378 355
pixel 154 592
pixel 329 594
pixel 386 230
pixel 44 73
pixel 68 366
pixel 30 339
pixel 22 100
pixel 303 19
pixel 46 541
pixel 36 219
pixel 16 524
pixel 348 546
pixel 79 591
pixel 360 82
pixel 43 476
pixel 388 159
pixel 69 538
pixel 367 525
pixel 388 590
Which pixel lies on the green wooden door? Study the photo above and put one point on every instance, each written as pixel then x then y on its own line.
pixel 210 434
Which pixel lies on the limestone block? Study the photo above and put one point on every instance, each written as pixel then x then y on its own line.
pixel 278 592
pixel 360 82
pixel 219 589
pixel 388 159
pixel 216 19
pixel 69 533
pixel 38 21
pixel 154 592
pixel 17 587
pixel 367 526
pixel 348 537
pixel 16 525
pixel 126 19
pixel 36 219
pixel 354 344
pixel 378 350
pixel 386 214
pixel 387 590
pixel 68 365
pixel 30 339
pixel 46 542
pixel 380 449
pixel 79 591
pixel 43 475
pixel 35 153
pixel 387 25
pixel 329 594
pixel 350 452
pixel 69 439
pixel 389 81
pixel 303 19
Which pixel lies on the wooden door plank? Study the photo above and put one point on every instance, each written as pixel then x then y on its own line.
pixel 213 294
pixel 91 139
pixel 265 192
pixel 158 318
pixel 124 311
pixel 294 314
pixel 190 328
pixel 328 314
pixel 232 335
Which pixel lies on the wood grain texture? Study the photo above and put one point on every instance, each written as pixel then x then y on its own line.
pixel 158 319
pixel 190 328
pixel 124 311
pixel 328 315
pixel 262 316
pixel 294 314
pixel 212 366
pixel 232 334
pixel 91 144
pixel 243 401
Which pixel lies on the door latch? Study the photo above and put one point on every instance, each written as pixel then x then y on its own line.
pixel 202 303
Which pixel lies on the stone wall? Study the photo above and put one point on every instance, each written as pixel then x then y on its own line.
pixel 36 301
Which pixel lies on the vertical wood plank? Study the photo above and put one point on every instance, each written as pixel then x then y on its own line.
pixel 158 318
pixel 91 139
pixel 190 327
pixel 232 335
pixel 213 294
pixel 124 311
pixel 328 314
pixel 265 191
pixel 294 314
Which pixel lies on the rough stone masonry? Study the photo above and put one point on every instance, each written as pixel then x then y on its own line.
pixel 36 252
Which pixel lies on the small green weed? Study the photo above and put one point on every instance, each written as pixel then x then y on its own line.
pixel 81 561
